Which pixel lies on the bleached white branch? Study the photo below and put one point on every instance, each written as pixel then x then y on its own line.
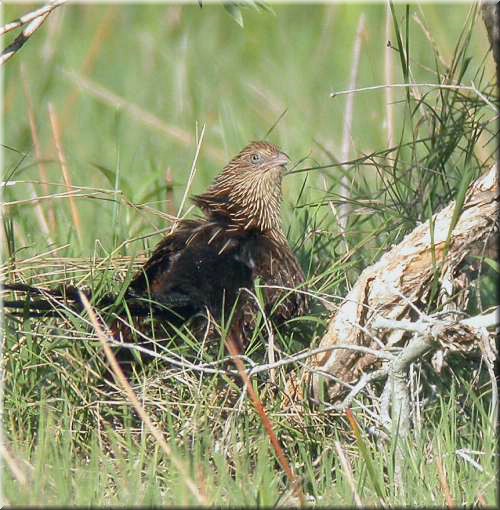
pixel 427 332
pixel 30 16
pixel 414 327
pixel 308 354
pixel 33 20
pixel 366 379
pixel 488 320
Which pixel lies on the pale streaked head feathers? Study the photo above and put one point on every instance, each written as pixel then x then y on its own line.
pixel 247 193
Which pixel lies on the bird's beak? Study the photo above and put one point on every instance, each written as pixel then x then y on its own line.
pixel 281 159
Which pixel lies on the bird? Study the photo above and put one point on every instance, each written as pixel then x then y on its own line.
pixel 207 267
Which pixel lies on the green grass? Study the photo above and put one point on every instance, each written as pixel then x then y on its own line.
pixel 239 469
pixel 73 436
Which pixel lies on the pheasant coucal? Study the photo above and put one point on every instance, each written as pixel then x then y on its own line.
pixel 202 267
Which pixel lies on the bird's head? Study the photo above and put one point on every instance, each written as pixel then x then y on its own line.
pixel 258 157
pixel 248 191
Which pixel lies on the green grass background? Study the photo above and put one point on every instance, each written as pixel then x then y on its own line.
pixel 196 67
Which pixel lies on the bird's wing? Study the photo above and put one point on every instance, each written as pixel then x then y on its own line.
pixel 196 266
pixel 277 267
pixel 160 262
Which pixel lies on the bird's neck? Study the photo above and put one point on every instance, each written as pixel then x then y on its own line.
pixel 245 202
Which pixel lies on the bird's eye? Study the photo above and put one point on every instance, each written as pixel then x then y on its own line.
pixel 255 157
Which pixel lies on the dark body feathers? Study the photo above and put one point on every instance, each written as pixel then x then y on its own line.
pixel 204 267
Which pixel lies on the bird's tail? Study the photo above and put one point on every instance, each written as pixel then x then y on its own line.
pixel 40 302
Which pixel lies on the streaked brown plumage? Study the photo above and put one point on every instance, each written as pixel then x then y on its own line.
pixel 201 267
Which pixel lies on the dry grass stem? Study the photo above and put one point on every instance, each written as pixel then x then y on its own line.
pixel 414 86
pixel 101 34
pixel 443 480
pixel 191 174
pixel 345 182
pixel 280 454
pixel 122 380
pixel 44 178
pixel 148 119
pixel 12 464
pixel 429 37
pixel 347 470
pixel 69 194
pixel 56 133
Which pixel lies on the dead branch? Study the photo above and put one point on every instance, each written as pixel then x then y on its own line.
pixel 33 20
pixel 399 284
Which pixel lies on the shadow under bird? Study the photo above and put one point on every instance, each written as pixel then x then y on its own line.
pixel 202 268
